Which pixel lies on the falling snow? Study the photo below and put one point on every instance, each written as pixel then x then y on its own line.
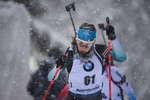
pixel 51 26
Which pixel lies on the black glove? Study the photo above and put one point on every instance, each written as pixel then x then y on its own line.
pixel 60 62
pixel 63 59
pixel 110 32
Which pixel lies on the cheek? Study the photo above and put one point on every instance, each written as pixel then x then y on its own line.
pixel 80 48
pixel 87 49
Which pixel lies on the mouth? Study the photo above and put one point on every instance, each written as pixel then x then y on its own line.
pixel 83 52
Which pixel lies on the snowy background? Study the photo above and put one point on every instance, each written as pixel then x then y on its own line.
pixel 30 28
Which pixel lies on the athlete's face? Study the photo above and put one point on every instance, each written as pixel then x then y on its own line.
pixel 84 47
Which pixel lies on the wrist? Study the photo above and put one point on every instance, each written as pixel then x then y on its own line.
pixel 113 37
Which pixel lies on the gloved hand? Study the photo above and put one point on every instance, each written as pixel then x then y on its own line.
pixel 60 62
pixel 110 32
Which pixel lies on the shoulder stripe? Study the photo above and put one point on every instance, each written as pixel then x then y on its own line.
pixel 105 52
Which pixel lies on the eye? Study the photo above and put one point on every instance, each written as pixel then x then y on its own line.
pixel 81 42
pixel 87 45
pixel 81 45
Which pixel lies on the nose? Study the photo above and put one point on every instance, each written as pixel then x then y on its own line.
pixel 84 49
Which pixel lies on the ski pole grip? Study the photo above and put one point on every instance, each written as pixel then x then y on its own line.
pixel 107 20
pixel 70 6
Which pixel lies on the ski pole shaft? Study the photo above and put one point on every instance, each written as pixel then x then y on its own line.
pixel 53 78
pixel 109 57
pixel 72 23
pixel 68 7
pixel 51 83
pixel 109 60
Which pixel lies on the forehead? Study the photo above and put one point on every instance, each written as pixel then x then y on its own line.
pixel 86 35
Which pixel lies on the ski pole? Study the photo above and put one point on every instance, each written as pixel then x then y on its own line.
pixel 53 78
pixel 51 83
pixel 109 60
pixel 68 7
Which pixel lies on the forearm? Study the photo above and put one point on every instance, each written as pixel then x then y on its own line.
pixel 128 90
pixel 52 73
pixel 120 55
